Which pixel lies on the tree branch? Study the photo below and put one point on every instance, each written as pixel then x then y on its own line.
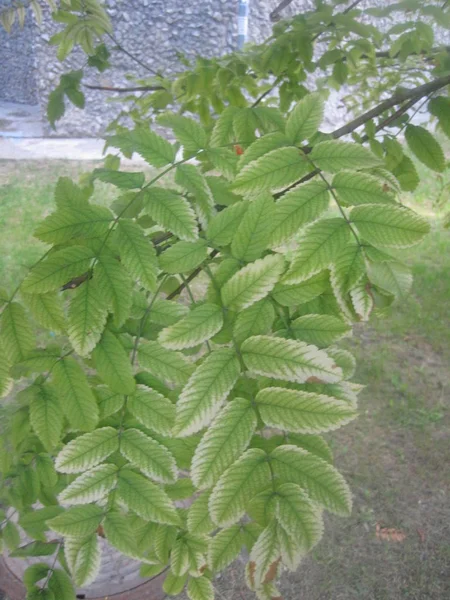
pixel 130 55
pixel 124 90
pixel 188 279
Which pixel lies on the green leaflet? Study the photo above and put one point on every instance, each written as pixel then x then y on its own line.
pixel 91 486
pixel 69 194
pixel 425 147
pixel 321 481
pixel 58 269
pixel 184 256
pixel 220 189
pixel 69 223
pixel 301 205
pixel 145 498
pixel 288 360
pixel 305 118
pixel 223 132
pixel 83 556
pixel 300 293
pixel 188 132
pixel 389 226
pixel 253 282
pixel 201 324
pixel 333 156
pixel 154 149
pixel 124 180
pixel 291 552
pixel 353 188
pixel 223 443
pixel 362 301
pixel 272 172
pixel 5 379
pixel 152 409
pixel 440 107
pixel 198 520
pixel 108 402
pixel 299 516
pixel 318 247
pixel 172 212
pixel 164 364
pixel 262 146
pixel 224 547
pixel 35 549
pixel 61 585
pixel 137 253
pixel 174 585
pixel 35 522
pixel 114 285
pixel 320 330
pixel 47 309
pixel 120 535
pixel 265 554
pixel 45 470
pixel 200 588
pixel 312 443
pixel 393 277
pixel 87 451
pixel 79 521
pixel 257 319
pixel 87 317
pixel 222 227
pixel 79 404
pixel 302 412
pixel 206 390
pixel 147 455
pixel 254 229
pixel 348 268
pixel 188 555
pixel 167 312
pixel 406 174
pixel 189 177
pixel 46 416
pixel 17 336
pixel 113 364
pixel 248 476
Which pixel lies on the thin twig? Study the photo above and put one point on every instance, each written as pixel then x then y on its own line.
pixel 131 55
pixel 188 279
pixel 124 90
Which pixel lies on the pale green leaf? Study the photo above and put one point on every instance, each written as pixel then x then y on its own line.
pixel 353 188
pixel 153 148
pixel 389 226
pixel 61 585
pixel 69 195
pixel 262 146
pixel 320 330
pixel 362 301
pixel 253 232
pixel 147 455
pixel 78 401
pixel 225 547
pixel 87 451
pixel 305 118
pixel 300 293
pixel 222 227
pixel 188 132
pixel 167 312
pixel 347 269
pixel 79 521
pixel 333 156
pixel 172 212
pixel 46 416
pixel 183 257
pixel 152 409
pixel 108 402
pixel 299 517
pixel 83 556
pixel 69 223
pixel 87 317
pixel 17 336
pixel 254 320
pixel 425 147
pixel 201 324
pixel 114 285
pixel 200 588
pixel 113 365
pixel 120 535
pixel 312 443
pixel 253 282
pixel 91 486
pixel 393 277
pixel 47 309
pixel 288 360
pixel 206 390
pixel 192 180
pixel 137 253
pixel 224 441
pixel 265 555
pixel 223 132
pixel 198 520
pixel 164 364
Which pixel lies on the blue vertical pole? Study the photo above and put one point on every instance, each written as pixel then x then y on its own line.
pixel 242 23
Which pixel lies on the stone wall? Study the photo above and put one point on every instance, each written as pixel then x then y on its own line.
pixel 17 64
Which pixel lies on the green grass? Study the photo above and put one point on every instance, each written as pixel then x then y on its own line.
pixel 396 456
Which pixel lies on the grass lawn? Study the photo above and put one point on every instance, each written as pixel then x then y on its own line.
pixel 396 456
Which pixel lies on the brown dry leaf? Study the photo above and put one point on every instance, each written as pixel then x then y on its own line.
pixel 421 534
pixel 272 571
pixel 389 534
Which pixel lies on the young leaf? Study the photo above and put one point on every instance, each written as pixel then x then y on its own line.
pixel 353 188
pixel 188 132
pixel 154 149
pixel 153 459
pixel 265 556
pixel 173 585
pixel 61 585
pixel 333 156
pixel 299 411
pixel 223 132
pixel 83 556
pixel 69 195
pixel 113 364
pixel 164 364
pixel 87 451
pixel 223 443
pixel 241 482
pixel 201 324
pixel 300 293
pixel 301 205
pixel 47 310
pixel 91 486
pixel 257 319
pixel 288 360
pixel 183 256
pixel 200 588
pixel 87 317
pixel 46 416
pixel 189 177
pixel 305 119
pixel 206 391
pixel 272 172
pixel 320 330
pixel 120 535
pixel 224 547
pixel 198 520
pixel 253 282
pixel 69 223
pixel 137 253
pixel 425 147
pixel 167 312
pixel 16 333
pixel 299 516
pixel 79 405
pixel 114 285
pixel 389 226
pixel 393 277
pixel 172 212
pixel 321 481
pixel 222 227
pixel 313 444
pixel 362 301
pixel 254 230
pixel 145 498
pixel 152 409
pixel 79 521
pixel 58 269
pixel 318 247
pixel 348 269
